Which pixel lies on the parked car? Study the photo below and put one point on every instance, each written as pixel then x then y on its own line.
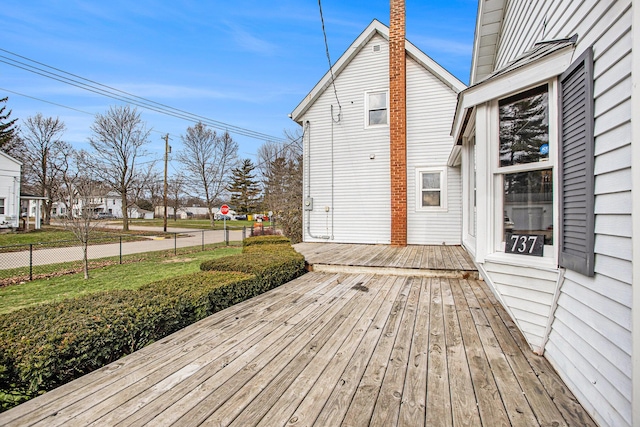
pixel 104 215
pixel 508 224
pixel 241 217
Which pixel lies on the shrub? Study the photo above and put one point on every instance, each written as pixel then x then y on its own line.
pixel 272 264
pixel 46 346
pixel 49 345
pixel 266 240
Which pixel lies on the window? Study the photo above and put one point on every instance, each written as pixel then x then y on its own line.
pixel 431 186
pixel 376 108
pixel 1 206
pixel 525 167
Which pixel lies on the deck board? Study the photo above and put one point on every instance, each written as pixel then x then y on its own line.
pixel 331 349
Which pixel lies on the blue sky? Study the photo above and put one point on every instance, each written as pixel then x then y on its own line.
pixel 242 62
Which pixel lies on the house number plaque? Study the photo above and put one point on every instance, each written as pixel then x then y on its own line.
pixel 524 244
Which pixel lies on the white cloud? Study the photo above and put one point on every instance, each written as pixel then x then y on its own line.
pixel 249 42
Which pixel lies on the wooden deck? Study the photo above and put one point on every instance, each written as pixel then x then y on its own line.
pixel 328 349
pixel 412 260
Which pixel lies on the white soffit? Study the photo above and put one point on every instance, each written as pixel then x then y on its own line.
pixel 485 46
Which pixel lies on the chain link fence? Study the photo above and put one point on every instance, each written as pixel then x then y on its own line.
pixel 29 261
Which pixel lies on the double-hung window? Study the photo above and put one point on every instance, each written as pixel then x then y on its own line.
pixel 1 206
pixel 524 174
pixel 432 189
pixel 376 108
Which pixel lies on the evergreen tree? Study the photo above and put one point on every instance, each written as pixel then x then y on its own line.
pixel 244 188
pixel 8 129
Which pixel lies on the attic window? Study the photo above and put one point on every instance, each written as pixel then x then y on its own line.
pixel 376 107
pixel 376 48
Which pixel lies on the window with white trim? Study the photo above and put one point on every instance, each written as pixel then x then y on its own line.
pixel 525 169
pixel 431 185
pixel 376 108
pixel 1 206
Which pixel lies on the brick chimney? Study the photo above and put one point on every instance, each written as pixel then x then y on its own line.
pixel 398 123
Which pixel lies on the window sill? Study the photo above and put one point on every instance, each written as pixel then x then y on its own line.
pixel 432 210
pixel 540 263
pixel 377 126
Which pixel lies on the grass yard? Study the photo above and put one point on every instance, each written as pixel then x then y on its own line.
pixel 137 270
pixel 57 234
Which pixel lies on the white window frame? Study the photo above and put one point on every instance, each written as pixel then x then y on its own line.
pixel 443 189
pixel 497 172
pixel 366 108
pixel 469 193
pixel 3 207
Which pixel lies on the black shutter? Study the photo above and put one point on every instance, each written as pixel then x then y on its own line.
pixel 576 175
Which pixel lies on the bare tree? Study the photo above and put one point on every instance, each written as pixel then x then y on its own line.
pixel 281 167
pixel 155 190
pixel 175 193
pixel 77 189
pixel 270 151
pixel 141 185
pixel 207 160
pixel 118 140
pixel 42 153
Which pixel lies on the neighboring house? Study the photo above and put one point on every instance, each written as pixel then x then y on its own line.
pixel 136 212
pixel 31 207
pixel 111 203
pixel 544 142
pixel 185 212
pixel 348 156
pixel 9 191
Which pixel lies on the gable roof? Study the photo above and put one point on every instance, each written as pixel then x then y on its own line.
pixel 375 27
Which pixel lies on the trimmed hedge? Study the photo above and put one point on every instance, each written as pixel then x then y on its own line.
pixel 266 240
pixel 46 346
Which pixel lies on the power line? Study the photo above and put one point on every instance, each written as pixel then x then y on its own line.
pixel 283 148
pixel 326 47
pixel 58 105
pixel 120 95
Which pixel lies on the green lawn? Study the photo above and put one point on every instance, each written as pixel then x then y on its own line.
pixel 55 234
pixel 137 270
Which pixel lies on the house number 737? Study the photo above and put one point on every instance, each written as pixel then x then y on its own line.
pixel 524 244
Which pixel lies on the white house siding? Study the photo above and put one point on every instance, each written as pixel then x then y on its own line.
pixel 430 108
pixel 360 209
pixel 10 189
pixel 590 339
pixel 528 294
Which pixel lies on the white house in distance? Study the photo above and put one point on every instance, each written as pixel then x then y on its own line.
pixel 544 141
pixel 9 191
pixel 110 203
pixel 347 149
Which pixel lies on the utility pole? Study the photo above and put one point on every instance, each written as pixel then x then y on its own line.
pixel 167 150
